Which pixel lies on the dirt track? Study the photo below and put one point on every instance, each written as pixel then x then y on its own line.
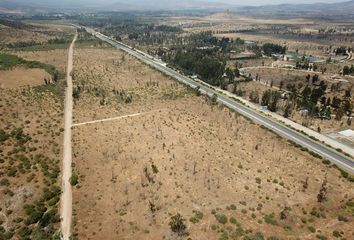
pixel 66 197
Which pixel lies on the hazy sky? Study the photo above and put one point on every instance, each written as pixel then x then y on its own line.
pixel 160 2
pixel 266 2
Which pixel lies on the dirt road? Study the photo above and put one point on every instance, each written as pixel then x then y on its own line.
pixel 66 197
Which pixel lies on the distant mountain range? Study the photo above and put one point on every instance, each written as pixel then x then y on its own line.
pixel 112 5
pixel 317 10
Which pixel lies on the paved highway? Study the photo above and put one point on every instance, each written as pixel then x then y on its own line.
pixel 328 153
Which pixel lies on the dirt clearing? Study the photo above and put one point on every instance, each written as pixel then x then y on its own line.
pixel 20 77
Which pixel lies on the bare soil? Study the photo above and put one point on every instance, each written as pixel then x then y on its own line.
pixel 57 57
pixel 189 157
pixel 20 77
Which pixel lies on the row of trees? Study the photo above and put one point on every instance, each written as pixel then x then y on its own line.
pixel 33 43
pixel 270 48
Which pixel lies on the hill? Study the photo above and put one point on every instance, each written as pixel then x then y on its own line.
pixel 112 5
pixel 317 10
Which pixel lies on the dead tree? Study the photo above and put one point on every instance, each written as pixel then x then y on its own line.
pixel 284 213
pixel 321 197
pixel 305 184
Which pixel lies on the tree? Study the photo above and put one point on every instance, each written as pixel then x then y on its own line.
pixel 315 78
pixel 270 98
pixel 323 70
pixel 237 72
pixel 214 99
pixel 223 84
pixel 314 68
pixel 254 96
pixel 266 98
pixel 347 107
pixel 308 78
pixel 341 51
pixel 234 88
pixel 321 197
pixel 56 76
pixel 273 105
pixel 336 102
pixel 346 70
pixel 177 224
pixel 230 75
pixel 339 114
pixel 287 111
pixel 270 48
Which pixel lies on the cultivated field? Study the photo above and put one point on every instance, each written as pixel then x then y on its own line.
pixel 183 154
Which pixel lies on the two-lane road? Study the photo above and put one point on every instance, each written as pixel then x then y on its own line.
pixel 332 155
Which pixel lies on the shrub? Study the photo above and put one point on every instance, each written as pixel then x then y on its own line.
pixel 74 180
pixel 154 168
pixel 258 180
pixel 336 234
pixel 224 236
pixel 177 224
pixel 3 136
pixel 4 182
pixel 273 238
pixel 312 229
pixel 269 219
pixel 321 237
pixel 11 172
pixel 221 218
pixel 25 231
pixel 193 220
pixel 233 220
pixel 48 218
pixel 342 218
pixel 198 214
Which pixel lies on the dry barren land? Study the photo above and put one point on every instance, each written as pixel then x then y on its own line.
pixel 227 177
pixel 30 155
pixel 31 125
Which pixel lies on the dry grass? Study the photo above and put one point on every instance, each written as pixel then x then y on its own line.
pixel 135 173
pixel 40 34
pixel 20 77
pixel 30 160
pixel 30 142
pixel 57 57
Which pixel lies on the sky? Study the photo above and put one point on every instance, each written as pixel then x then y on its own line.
pixel 96 3
pixel 267 2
